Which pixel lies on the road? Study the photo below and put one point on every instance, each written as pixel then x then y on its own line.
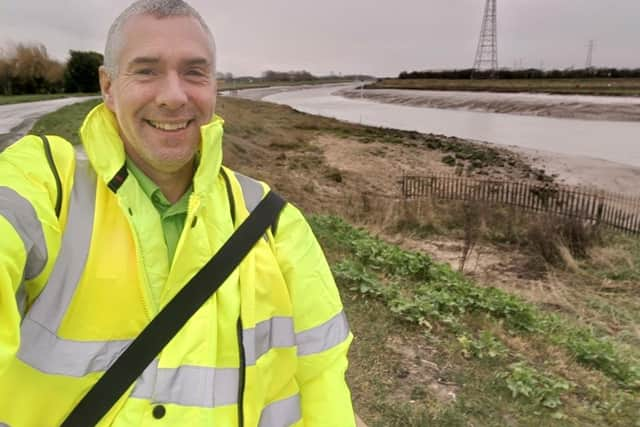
pixel 17 119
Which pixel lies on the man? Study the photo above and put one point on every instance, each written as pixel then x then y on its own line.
pixel 91 250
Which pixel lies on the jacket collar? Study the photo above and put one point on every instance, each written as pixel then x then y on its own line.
pixel 105 149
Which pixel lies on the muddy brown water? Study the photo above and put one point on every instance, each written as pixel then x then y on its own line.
pixel 615 141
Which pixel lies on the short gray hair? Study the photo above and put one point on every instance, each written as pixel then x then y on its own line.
pixel 158 9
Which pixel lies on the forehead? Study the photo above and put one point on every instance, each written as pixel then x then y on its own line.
pixel 174 37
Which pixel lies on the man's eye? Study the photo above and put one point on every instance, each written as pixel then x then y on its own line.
pixel 196 72
pixel 144 72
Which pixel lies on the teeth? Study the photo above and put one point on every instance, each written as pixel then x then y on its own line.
pixel 168 126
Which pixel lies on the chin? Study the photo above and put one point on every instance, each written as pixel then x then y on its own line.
pixel 173 162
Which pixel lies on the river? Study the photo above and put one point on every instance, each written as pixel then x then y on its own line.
pixel 616 141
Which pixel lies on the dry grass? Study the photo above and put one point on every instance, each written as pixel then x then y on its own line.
pixel 608 258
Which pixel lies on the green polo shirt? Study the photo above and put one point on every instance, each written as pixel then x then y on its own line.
pixel 172 217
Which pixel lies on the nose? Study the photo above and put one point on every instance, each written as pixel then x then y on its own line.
pixel 171 93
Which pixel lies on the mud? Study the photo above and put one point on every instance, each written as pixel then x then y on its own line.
pixel 560 106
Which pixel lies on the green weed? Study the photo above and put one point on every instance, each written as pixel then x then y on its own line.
pixel 424 292
pixel 526 381
pixel 486 346
pixel 374 253
pixel 601 354
pixel 417 288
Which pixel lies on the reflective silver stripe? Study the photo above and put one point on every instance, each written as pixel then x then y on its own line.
pixel 270 333
pixel 51 354
pixel 278 332
pixel 23 218
pixel 323 337
pixel 43 350
pixel 146 382
pixel 21 300
pixel 252 191
pixel 52 304
pixel 40 347
pixel 281 413
pixel 189 385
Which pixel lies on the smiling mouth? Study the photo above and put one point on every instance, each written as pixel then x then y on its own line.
pixel 169 127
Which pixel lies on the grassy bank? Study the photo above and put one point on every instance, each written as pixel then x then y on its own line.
pixel 610 87
pixel 66 121
pixel 435 346
pixel 16 99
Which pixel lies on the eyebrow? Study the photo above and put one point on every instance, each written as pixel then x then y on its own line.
pixel 198 62
pixel 151 60
pixel 143 60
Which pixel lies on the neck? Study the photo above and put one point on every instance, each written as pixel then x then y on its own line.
pixel 172 184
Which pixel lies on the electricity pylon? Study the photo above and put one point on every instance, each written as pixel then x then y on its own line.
pixel 588 63
pixel 487 52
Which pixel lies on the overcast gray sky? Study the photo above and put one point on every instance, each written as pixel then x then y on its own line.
pixel 359 36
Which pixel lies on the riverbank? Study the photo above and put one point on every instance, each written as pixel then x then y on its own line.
pixel 584 172
pixel 574 170
pixel 595 86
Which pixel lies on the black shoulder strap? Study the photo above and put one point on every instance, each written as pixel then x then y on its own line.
pixel 232 202
pixel 54 170
pixel 130 365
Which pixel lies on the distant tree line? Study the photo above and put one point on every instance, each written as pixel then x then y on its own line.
pixel 271 76
pixel 303 75
pixel 530 73
pixel 28 69
pixel 292 76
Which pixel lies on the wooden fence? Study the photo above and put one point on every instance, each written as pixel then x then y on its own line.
pixel 614 210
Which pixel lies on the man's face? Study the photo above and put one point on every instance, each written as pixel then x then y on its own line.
pixel 164 91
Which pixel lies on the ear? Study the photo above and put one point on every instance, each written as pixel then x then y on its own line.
pixel 106 87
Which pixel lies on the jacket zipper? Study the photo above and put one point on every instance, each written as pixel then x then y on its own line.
pixel 241 382
pixel 142 273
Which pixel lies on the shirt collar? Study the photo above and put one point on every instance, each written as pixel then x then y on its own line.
pixel 153 192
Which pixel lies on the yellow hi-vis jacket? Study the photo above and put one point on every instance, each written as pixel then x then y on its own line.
pixel 268 349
